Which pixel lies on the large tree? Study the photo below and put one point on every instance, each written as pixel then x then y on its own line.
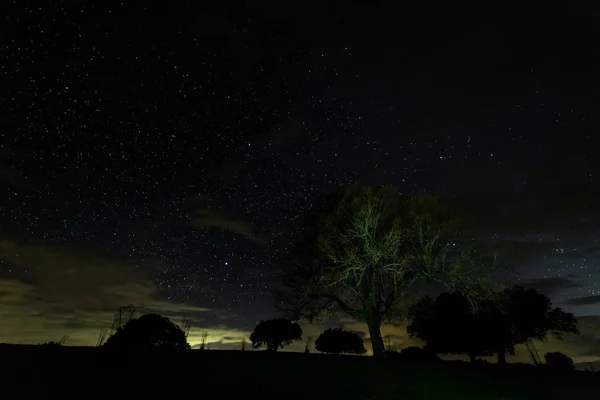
pixel 148 331
pixel 363 250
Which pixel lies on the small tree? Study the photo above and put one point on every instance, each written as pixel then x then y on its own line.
pixel 275 334
pixel 559 361
pixel 148 331
pixel 339 341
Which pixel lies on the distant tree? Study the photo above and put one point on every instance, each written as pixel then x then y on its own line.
pixel 559 361
pixel 414 353
pixel 362 250
pixel 449 326
pixel 52 343
pixel 275 333
pixel 339 341
pixel 148 331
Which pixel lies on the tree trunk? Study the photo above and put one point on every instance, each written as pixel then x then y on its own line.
pixel 472 357
pixel 502 356
pixel 376 338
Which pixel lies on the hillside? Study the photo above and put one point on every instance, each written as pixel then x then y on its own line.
pixel 72 371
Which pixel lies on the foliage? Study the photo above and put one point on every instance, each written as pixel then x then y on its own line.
pixel 518 315
pixel 148 331
pixel 559 361
pixel 275 333
pixel 362 250
pixel 338 341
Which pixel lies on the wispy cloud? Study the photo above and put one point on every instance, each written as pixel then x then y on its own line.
pixel 583 301
pixel 56 291
pixel 552 285
pixel 204 216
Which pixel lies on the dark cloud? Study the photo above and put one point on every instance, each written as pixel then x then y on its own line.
pixel 574 211
pixel 204 216
pixel 516 252
pixel 82 278
pixel 56 291
pixel 583 301
pixel 550 286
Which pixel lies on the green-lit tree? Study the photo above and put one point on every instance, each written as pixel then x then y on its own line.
pixel 363 250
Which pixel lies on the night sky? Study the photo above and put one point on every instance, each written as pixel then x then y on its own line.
pixel 157 155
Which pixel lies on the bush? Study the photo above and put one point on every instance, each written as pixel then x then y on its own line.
pixel 414 353
pixel 337 341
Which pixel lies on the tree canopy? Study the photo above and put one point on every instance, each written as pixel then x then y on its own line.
pixel 339 341
pixel 275 333
pixel 363 250
pixel 148 331
pixel 517 316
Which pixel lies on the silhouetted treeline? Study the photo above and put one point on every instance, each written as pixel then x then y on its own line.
pixel 449 325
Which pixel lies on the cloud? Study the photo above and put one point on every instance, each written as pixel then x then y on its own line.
pixel 518 252
pixel 583 301
pixel 81 278
pixel 204 216
pixel 575 212
pixel 220 337
pixel 551 286
pixel 55 291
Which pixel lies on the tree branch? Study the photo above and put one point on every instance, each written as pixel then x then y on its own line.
pixel 350 311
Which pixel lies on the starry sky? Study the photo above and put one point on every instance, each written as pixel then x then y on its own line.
pixel 156 156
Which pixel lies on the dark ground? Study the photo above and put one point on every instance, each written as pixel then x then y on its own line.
pixel 94 373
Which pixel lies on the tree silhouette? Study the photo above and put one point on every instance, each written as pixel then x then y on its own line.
pixel 339 341
pixel 528 315
pixel 559 361
pixel 362 250
pixel 518 316
pixel 449 326
pixel 148 331
pixel 275 333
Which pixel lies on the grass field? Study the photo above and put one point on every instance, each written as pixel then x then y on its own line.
pixel 94 372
